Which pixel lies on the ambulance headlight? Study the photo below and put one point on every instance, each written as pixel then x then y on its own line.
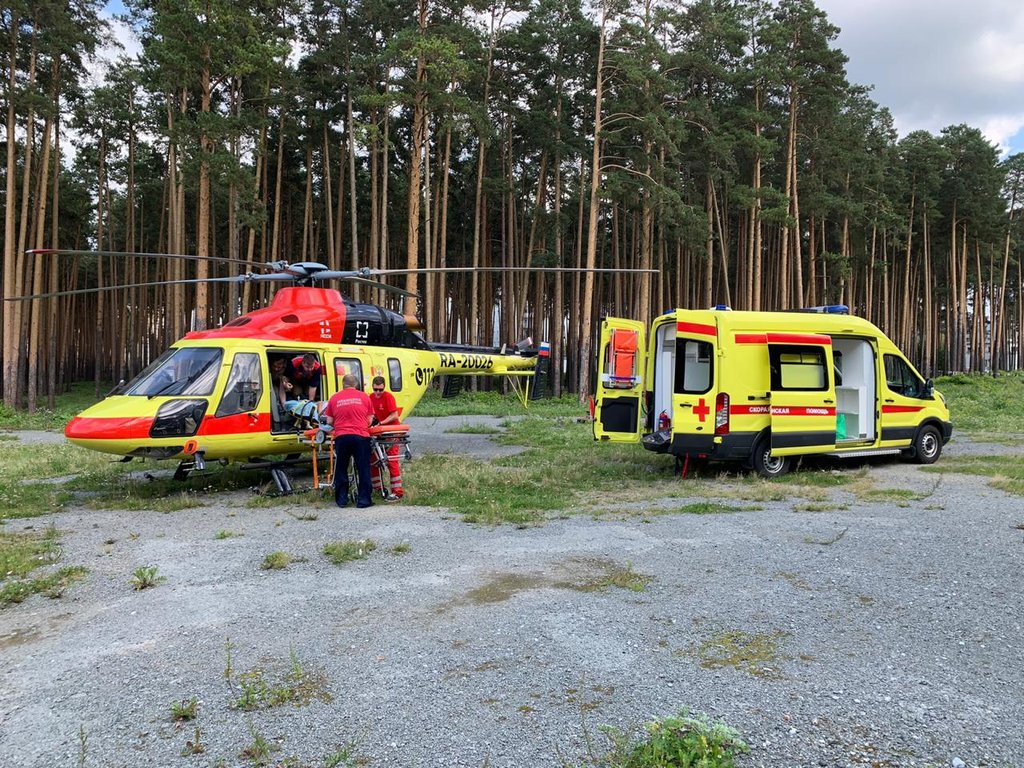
pixel 178 418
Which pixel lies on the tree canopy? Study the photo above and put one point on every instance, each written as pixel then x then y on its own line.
pixel 718 142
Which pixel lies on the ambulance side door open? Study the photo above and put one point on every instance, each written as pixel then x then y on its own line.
pixel 803 396
pixel 618 398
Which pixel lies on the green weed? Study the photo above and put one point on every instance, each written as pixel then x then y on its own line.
pixel 145 576
pixel 680 741
pixel 339 552
pixel 223 533
pixel 259 751
pixel 289 683
pixel 276 561
pixel 194 746
pixel 184 710
pixel 403 548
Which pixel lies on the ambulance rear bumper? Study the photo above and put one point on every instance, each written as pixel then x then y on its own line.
pixel 736 445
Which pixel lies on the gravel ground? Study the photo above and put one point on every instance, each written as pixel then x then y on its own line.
pixel 891 635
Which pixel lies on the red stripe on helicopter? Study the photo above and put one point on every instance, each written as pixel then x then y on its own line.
pixel 783 338
pixel 902 408
pixel 696 328
pixel 236 424
pixel 802 410
pixel 92 428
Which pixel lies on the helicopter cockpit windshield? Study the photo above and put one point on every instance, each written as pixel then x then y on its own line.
pixel 181 371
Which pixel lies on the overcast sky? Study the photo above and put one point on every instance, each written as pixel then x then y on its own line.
pixel 936 63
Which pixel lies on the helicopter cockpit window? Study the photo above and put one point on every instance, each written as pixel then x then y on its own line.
pixel 345 365
pixel 244 387
pixel 181 371
pixel 395 374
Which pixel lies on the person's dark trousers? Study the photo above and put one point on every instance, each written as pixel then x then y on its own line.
pixel 348 447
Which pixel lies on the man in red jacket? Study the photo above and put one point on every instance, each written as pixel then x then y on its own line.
pixel 385 411
pixel 350 412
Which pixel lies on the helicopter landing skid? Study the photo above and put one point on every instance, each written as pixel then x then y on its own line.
pixel 187 466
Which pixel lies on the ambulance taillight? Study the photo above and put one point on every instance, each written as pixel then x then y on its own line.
pixel 722 414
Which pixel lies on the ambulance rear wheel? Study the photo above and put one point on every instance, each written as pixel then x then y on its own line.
pixel 927 445
pixel 767 465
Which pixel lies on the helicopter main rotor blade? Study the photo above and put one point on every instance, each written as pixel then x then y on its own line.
pixel 186 256
pixel 233 279
pixel 429 270
pixel 351 278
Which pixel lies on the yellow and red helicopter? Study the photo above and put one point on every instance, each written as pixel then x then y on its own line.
pixel 211 396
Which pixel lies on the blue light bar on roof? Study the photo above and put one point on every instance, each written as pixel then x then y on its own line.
pixel 828 309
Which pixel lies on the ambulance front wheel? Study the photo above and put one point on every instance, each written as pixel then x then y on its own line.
pixel 767 465
pixel 927 445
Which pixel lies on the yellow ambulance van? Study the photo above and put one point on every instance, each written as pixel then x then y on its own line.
pixel 763 388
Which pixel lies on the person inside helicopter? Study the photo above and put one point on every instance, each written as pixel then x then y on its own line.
pixel 304 371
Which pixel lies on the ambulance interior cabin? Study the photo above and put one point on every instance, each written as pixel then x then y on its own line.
pixel 855 368
pixel 681 366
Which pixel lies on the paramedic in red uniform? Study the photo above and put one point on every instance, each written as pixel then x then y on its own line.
pixel 385 411
pixel 350 412
pixel 304 373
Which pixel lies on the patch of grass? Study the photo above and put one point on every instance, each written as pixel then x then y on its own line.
pixel 276 561
pixel 619 577
pixel 680 741
pixel 165 494
pixel 184 710
pixel 495 404
pixel 819 506
pixel 223 533
pixel 708 508
pixel 981 403
pixel 896 495
pixel 20 554
pixel 339 552
pixel 145 576
pixel 756 654
pixel 53 585
pixel 403 548
pixel 1005 472
pixel 79 396
pixel 289 683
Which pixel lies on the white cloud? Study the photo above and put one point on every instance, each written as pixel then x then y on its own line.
pixel 936 63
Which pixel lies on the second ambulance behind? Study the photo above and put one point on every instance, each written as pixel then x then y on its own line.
pixel 763 388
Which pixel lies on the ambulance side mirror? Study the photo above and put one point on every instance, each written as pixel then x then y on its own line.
pixel 929 390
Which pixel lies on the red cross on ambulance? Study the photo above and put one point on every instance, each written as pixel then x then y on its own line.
pixel 701 410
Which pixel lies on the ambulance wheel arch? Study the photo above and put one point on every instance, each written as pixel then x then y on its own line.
pixel 927 445
pixel 764 462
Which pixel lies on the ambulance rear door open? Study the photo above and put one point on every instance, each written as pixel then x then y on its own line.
pixel 618 399
pixel 803 396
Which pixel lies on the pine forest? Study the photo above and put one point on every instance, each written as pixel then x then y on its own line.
pixel 718 143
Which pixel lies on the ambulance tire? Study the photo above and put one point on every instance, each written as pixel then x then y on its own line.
pixel 767 465
pixel 927 445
